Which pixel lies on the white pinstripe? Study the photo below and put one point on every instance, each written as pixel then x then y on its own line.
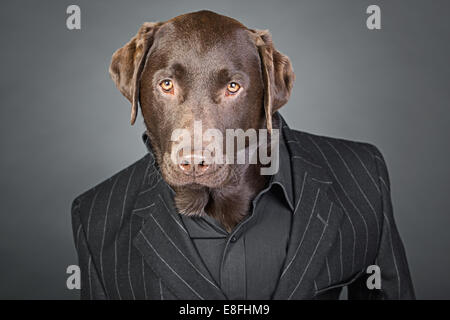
pixel 301 193
pixel 89 277
pixel 322 181
pixel 348 197
pixel 362 163
pixel 144 208
pixel 117 235
pixel 143 269
pixel 372 154
pixel 385 184
pixel 78 236
pixel 392 249
pixel 393 254
pixel 359 187
pixel 90 215
pixel 181 252
pixel 340 255
pixel 321 219
pixel 353 229
pixel 104 231
pixel 313 255
pixel 303 236
pixel 160 290
pixel 307 161
pixel 170 268
pixel 129 259
pixel 87 238
pixel 299 144
pixel 328 270
pixel 378 158
pixel 151 188
pixel 150 162
pixel 173 218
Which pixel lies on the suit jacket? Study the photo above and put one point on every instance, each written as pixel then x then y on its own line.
pixel 131 242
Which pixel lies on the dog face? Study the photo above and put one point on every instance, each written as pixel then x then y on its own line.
pixel 204 67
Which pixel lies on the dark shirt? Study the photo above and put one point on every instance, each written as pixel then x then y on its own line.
pixel 246 263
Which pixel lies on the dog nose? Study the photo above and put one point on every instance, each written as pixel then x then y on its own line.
pixel 194 164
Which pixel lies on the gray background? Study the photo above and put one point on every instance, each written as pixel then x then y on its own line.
pixel 64 126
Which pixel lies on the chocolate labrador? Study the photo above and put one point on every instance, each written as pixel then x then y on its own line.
pixel 206 67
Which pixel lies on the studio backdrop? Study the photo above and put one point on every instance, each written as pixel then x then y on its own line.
pixel 65 127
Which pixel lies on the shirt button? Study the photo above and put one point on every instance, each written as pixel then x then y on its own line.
pixel 233 239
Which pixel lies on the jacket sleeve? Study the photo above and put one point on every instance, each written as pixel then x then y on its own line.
pixel 391 257
pixel 91 285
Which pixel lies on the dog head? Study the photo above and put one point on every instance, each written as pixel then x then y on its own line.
pixel 205 67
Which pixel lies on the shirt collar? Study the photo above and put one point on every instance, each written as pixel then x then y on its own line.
pixel 283 177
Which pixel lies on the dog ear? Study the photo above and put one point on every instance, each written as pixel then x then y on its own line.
pixel 277 72
pixel 128 62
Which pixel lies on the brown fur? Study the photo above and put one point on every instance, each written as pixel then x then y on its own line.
pixel 202 51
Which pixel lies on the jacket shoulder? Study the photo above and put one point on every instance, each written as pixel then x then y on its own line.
pixel 356 169
pixel 359 179
pixel 106 195
pixel 342 157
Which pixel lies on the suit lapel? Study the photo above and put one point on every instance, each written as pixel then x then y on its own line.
pixel 165 244
pixel 315 223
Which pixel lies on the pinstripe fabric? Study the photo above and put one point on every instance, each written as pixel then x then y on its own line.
pixel 132 244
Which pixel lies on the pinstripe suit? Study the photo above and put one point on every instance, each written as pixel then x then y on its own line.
pixel 132 244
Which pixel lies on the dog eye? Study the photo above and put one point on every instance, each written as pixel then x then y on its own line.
pixel 233 87
pixel 166 85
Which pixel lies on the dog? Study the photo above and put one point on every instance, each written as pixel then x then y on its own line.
pixel 180 224
pixel 204 67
